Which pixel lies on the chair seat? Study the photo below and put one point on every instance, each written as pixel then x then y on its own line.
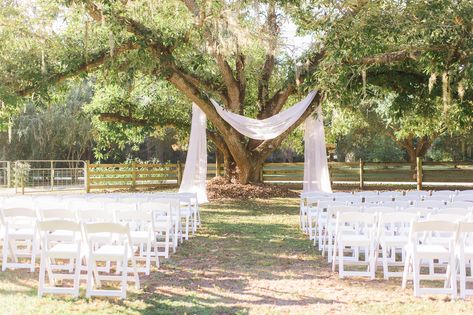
pixel 62 250
pixel 110 252
pixel 433 251
pixel 397 240
pixel 139 235
pixel 21 233
pixel 355 240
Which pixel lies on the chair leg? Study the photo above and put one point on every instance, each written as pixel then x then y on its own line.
pixel 405 272
pixel 77 276
pixel 5 253
pixel 385 263
pixel 42 275
pixel 416 275
pixel 124 276
pixel 341 269
pixel 462 278
pixel 89 277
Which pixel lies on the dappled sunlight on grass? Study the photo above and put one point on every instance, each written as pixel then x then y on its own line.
pixel 249 257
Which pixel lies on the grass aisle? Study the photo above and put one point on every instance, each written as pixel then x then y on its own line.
pixel 249 257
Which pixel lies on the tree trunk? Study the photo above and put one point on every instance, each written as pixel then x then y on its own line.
pixel 249 171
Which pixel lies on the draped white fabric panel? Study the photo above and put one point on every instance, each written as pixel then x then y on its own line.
pixel 268 128
pixel 195 170
pixel 316 174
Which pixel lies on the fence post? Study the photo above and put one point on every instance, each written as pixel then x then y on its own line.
pixel 9 175
pixel 87 176
pixel 261 171
pixel 179 173
pixel 419 173
pixel 362 180
pixel 52 175
pixel 133 175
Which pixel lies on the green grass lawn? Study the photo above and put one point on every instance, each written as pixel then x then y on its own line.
pixel 248 258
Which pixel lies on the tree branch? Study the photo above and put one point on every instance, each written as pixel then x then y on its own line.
pixel 92 63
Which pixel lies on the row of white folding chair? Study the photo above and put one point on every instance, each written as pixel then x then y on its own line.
pixel 326 220
pixel 426 241
pixel 368 232
pixel 119 248
pixel 20 227
pixel 455 250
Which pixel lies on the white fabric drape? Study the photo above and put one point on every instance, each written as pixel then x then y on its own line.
pixel 316 174
pixel 268 128
pixel 195 171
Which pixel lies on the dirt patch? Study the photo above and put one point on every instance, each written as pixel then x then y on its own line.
pixel 219 188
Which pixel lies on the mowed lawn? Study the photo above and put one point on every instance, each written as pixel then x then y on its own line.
pixel 248 258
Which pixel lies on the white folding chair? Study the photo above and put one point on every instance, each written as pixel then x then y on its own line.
pixel 423 246
pixel 357 231
pixel 318 213
pixel 165 225
pixel 120 250
pixel 329 229
pixel 52 250
pixel 392 238
pixel 141 232
pixel 465 256
pixel 21 237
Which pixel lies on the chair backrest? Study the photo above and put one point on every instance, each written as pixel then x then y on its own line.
pixel 120 206
pixel 378 199
pixel 103 199
pixel 450 217
pixel 56 225
pixel 378 209
pixel 57 213
pixel 90 211
pixel 365 193
pixel 432 204
pixel 421 212
pixel 315 201
pixel 18 218
pixel 463 197
pixel 355 222
pixel 316 194
pixel 323 204
pixel 391 193
pixel 73 202
pixel 333 211
pixel 356 217
pixel 397 217
pixel 433 226
pixel 444 198
pixel 18 202
pixel 348 199
pixel 461 204
pixel 409 199
pixel 455 210
pixel 117 232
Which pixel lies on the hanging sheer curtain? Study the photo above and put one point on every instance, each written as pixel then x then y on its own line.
pixel 316 174
pixel 195 170
pixel 268 128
